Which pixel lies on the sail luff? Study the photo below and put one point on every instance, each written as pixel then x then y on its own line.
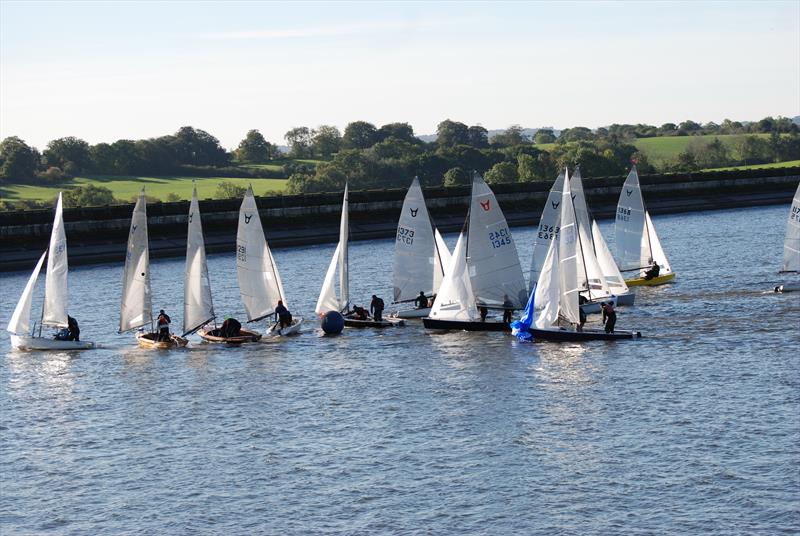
pixel 136 308
pixel 344 234
pixel 791 242
pixel 568 258
pixel 198 305
pixel 56 293
pixel 20 322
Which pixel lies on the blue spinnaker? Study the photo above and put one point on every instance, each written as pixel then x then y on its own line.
pixel 520 328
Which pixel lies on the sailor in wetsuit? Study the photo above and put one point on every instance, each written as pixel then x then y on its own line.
pixel 421 302
pixel 652 273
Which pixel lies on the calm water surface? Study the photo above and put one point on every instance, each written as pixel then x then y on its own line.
pixel 693 429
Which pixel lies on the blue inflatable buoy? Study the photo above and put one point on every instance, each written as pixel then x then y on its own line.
pixel 332 322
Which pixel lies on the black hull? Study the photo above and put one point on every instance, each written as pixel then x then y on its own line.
pixel 432 323
pixel 563 335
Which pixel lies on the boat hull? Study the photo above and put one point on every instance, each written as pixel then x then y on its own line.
pixel 626 299
pixel 275 331
pixel 642 282
pixel 412 313
pixel 432 323
pixel 353 323
pixel 245 336
pixel 594 306
pixel 22 342
pixel 151 342
pixel 565 335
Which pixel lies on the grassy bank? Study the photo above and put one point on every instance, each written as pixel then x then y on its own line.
pixel 125 188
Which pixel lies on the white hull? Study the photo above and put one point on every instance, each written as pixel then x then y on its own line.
pixel 626 299
pixel 412 313
pixel 594 306
pixel 21 342
pixel 275 331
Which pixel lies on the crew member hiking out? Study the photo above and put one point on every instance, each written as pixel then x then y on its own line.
pixel 376 308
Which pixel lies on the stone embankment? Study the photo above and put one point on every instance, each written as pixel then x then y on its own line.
pixel 99 234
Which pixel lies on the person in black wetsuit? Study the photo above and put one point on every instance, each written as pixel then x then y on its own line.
pixel 653 272
pixel 609 317
pixel 230 328
pixel 484 312
pixel 376 308
pixel 421 302
pixel 508 309
pixel 359 313
pixel 74 329
pixel 163 325
pixel 284 317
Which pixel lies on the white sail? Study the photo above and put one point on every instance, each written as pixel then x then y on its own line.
pixel 632 242
pixel 455 299
pixel 607 263
pixel 548 290
pixel 328 300
pixel 547 231
pixel 656 251
pixel 20 323
pixel 415 255
pixel 198 307
pixel 441 259
pixel 56 292
pixel 259 282
pixel 344 263
pixel 136 308
pixel 492 258
pixel 791 244
pixel 568 259
pixel 590 274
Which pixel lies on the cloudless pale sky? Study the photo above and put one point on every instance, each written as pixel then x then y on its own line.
pixel 107 71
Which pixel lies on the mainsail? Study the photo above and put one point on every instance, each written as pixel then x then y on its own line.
pixel 259 281
pixel 791 244
pixel 632 240
pixel 590 275
pixel 328 300
pixel 20 322
pixel 198 307
pixel 455 299
pixel 415 249
pixel 136 307
pixel 547 232
pixel 492 259
pixel 55 288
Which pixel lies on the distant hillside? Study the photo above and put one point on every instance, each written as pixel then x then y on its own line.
pixel 529 132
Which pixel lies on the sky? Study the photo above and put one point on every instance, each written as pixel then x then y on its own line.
pixel 130 70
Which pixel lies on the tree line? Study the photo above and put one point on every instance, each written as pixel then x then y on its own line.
pixel 387 156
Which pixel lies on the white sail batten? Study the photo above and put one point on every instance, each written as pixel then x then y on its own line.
pixel 20 323
pixel 590 274
pixel 791 243
pixel 455 299
pixel 656 251
pixel 547 230
pixel 136 307
pixel 442 259
pixel 568 259
pixel 415 255
pixel 56 292
pixel 259 283
pixel 607 263
pixel 632 242
pixel 198 306
pixel 492 259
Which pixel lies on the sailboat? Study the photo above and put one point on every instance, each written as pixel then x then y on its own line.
pixel 329 299
pixel 593 274
pixel 136 309
pixel 791 247
pixel 556 292
pixel 260 285
pixel 638 246
pixel 54 308
pixel 420 254
pixel 487 256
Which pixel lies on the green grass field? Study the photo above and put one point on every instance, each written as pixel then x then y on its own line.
pixel 789 163
pixel 665 148
pixel 125 188
pixel 277 165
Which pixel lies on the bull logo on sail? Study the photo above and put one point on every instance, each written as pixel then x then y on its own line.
pixel 555 204
pixel 629 192
pixel 247 218
pixel 133 228
pixel 414 212
pixel 485 204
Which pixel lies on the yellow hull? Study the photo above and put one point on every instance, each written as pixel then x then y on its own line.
pixel 148 340
pixel 642 282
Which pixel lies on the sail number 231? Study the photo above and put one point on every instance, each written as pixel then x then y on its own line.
pixel 500 238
